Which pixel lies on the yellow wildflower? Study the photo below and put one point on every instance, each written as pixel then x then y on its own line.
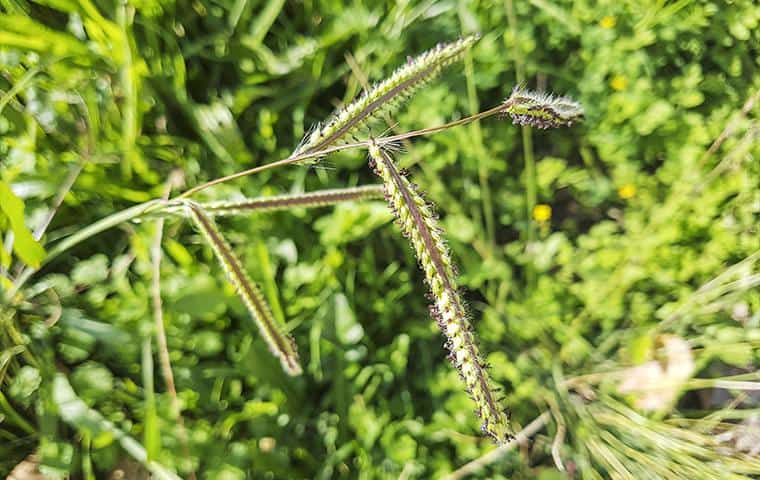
pixel 619 82
pixel 542 212
pixel 608 22
pixel 627 191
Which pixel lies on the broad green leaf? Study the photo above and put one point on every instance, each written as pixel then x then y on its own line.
pixel 25 34
pixel 24 244
pixel 347 329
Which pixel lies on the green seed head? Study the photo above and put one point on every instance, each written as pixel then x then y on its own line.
pixel 419 224
pixel 385 95
pixel 541 110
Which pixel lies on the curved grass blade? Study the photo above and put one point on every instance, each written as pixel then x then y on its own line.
pixel 320 198
pixel 418 223
pixel 74 411
pixel 280 343
pixel 384 95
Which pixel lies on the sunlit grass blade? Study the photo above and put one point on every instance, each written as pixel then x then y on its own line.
pixel 618 439
pixel 418 222
pixel 74 411
pixel 384 95
pixel 281 345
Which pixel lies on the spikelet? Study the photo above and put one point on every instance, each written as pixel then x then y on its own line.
pixel 418 223
pixel 384 95
pixel 541 110
pixel 280 343
pixel 319 198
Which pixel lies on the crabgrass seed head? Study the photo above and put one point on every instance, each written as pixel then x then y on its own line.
pixel 384 95
pixel 541 110
pixel 418 222
pixel 280 343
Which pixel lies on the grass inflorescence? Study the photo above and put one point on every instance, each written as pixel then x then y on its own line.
pixel 417 220
pixel 280 343
pixel 384 95
pixel 581 253
pixel 320 198
pixel 415 216
pixel 542 110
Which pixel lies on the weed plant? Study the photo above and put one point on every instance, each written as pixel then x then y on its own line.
pixel 632 346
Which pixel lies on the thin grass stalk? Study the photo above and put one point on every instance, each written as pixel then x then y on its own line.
pixel 320 198
pixel 497 454
pixel 389 140
pixel 473 105
pixel 130 124
pixel 175 178
pixel 151 429
pixel 280 343
pixel 537 108
pixel 402 83
pixel 418 223
pixel 527 143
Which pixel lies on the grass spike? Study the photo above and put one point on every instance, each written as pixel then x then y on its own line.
pixel 319 198
pixel 541 110
pixel 418 222
pixel 280 343
pixel 384 95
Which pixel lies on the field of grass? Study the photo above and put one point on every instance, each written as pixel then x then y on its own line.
pixel 609 269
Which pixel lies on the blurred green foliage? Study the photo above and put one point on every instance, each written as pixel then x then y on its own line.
pixel 650 234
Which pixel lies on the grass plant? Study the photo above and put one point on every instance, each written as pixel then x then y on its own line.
pixel 598 300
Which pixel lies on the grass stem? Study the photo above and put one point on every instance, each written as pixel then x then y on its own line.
pixel 495 455
pixel 527 141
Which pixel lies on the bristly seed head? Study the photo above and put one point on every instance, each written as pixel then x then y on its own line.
pixel 541 110
pixel 317 198
pixel 384 95
pixel 280 343
pixel 419 224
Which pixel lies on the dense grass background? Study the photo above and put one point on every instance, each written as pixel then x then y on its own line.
pixel 639 267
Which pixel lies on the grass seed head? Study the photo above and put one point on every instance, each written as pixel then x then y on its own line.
pixel 280 343
pixel 541 110
pixel 384 95
pixel 419 223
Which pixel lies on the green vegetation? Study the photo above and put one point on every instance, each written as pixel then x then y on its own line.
pixel 610 270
